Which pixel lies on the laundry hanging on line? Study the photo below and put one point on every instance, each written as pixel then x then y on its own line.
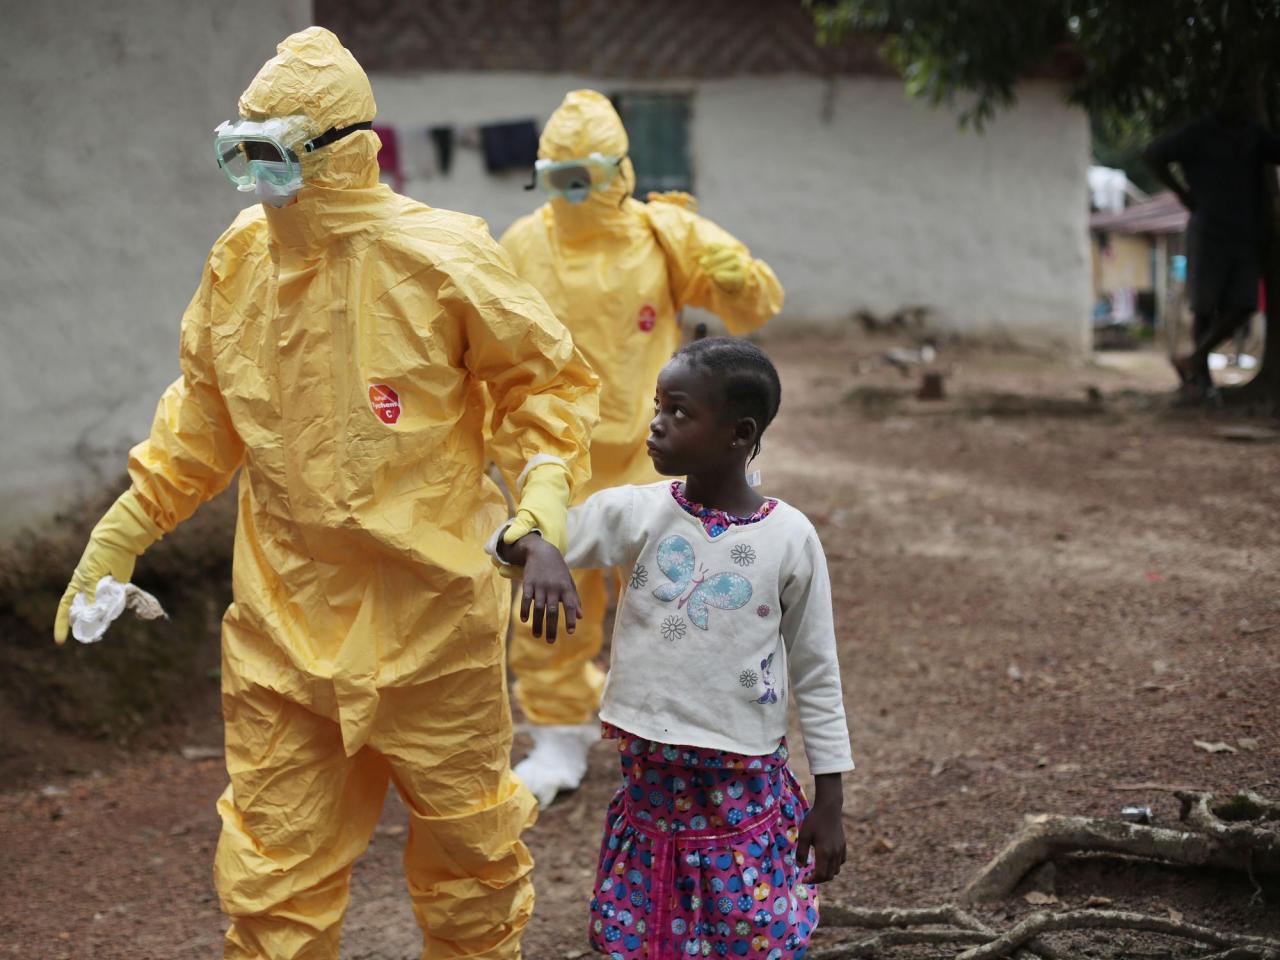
pixel 389 156
pixel 425 153
pixel 509 146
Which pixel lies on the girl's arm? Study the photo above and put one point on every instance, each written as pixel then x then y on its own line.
pixel 603 530
pixel 548 584
pixel 602 533
pixel 809 632
pixel 823 829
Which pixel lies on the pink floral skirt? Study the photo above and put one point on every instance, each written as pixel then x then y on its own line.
pixel 698 858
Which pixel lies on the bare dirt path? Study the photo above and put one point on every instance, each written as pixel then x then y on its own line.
pixel 1042 598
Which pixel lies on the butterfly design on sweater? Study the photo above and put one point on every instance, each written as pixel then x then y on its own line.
pixel 695 589
pixel 770 695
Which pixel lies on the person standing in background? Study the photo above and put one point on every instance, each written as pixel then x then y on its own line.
pixel 616 272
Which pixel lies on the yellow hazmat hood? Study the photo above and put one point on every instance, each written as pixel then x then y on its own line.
pixel 586 123
pixel 314 75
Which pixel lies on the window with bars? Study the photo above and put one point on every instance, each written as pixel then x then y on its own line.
pixel 658 127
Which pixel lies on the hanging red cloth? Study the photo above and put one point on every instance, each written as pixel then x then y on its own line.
pixel 389 156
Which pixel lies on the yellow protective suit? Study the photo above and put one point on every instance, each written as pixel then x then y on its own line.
pixel 616 272
pixel 338 352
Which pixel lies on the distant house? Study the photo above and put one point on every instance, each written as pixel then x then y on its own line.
pixel 1139 260
pixel 864 201
pixel 861 199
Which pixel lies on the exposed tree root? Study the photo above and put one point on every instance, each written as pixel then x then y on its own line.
pixel 1241 832
pixel 958 927
pixel 1040 923
pixel 1043 837
pixel 948 924
pixel 877 918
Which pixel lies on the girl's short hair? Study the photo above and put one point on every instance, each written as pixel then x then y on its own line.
pixel 748 379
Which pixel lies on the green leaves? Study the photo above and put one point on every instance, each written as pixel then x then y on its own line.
pixel 1153 63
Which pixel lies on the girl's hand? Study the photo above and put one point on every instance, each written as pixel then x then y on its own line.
pixel 548 585
pixel 823 830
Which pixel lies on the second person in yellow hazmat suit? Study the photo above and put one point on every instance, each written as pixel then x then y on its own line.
pixel 616 272
pixel 338 353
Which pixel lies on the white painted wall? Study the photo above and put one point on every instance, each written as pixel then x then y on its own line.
pixel 109 201
pixel 886 204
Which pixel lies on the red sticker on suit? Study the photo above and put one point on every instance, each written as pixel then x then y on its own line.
pixel 647 318
pixel 385 402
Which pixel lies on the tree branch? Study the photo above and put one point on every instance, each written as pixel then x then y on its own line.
pixel 1044 836
pixel 879 918
pixel 872 946
pixel 1039 923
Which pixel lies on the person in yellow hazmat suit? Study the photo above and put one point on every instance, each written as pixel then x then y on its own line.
pixel 338 353
pixel 617 272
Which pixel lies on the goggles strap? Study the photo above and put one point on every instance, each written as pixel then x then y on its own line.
pixel 334 134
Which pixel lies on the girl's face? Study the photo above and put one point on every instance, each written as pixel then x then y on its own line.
pixel 690 432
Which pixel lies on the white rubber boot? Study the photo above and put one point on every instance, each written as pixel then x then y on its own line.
pixel 558 760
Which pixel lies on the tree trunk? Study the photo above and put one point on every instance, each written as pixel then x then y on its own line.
pixel 1262 393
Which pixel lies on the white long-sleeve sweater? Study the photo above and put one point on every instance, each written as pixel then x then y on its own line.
pixel 712 635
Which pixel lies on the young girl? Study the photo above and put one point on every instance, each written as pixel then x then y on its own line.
pixel 726 615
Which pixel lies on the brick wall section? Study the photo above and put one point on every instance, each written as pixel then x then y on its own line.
pixel 627 39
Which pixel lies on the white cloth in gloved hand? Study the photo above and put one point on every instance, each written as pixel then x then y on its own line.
pixel 89 621
pixel 558 760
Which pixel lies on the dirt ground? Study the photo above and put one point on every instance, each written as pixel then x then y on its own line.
pixel 1045 594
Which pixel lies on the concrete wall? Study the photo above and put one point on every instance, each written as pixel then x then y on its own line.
pixel 859 198
pixel 110 201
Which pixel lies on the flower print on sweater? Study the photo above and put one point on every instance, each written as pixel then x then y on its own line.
pixel 639 576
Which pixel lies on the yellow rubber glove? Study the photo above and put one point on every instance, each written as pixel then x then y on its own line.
pixel 544 506
pixel 726 266
pixel 115 544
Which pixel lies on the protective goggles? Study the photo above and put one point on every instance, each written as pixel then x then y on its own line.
pixel 251 150
pixel 573 180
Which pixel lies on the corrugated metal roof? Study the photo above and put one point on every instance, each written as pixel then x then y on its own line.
pixel 1163 213
pixel 619 39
